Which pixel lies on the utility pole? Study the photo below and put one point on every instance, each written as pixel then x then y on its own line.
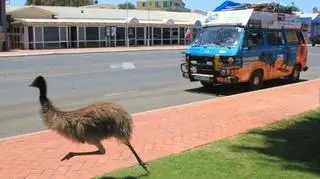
pixel 148 25
pixel 127 25
pixel 3 26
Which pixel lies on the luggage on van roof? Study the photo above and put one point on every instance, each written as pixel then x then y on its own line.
pixel 266 7
pixel 251 17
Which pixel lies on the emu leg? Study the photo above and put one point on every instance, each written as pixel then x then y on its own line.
pixel 101 150
pixel 137 156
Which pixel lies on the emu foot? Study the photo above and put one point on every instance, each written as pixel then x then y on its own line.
pixel 68 156
pixel 143 165
pixel 73 154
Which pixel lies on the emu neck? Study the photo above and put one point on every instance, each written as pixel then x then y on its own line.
pixel 43 94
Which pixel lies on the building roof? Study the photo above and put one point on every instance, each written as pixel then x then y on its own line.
pixel 85 13
pixel 10 9
pixel 306 15
pixel 108 6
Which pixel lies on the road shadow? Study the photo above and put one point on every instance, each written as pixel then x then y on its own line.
pixel 227 90
pixel 295 145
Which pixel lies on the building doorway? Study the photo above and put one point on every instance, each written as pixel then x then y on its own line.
pixel 73 37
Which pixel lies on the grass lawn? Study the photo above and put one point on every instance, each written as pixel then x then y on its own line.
pixel 287 149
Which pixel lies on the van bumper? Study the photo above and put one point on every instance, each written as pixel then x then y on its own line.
pixel 206 77
pixel 228 80
pixel 212 78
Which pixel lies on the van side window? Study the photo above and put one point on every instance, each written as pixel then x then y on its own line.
pixel 253 39
pixel 292 37
pixel 275 38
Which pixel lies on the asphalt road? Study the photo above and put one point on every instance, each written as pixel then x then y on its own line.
pixel 140 81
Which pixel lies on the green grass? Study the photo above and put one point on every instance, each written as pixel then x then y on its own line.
pixel 287 149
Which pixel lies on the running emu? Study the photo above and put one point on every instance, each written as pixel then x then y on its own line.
pixel 90 124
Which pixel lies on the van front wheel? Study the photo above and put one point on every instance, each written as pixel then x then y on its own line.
pixel 256 80
pixel 295 74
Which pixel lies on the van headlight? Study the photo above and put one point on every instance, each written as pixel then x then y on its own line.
pixel 184 68
pixel 193 69
pixel 231 60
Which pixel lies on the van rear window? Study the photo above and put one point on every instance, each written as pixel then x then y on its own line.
pixel 292 37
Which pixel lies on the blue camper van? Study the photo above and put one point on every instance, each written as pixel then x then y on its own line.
pixel 246 46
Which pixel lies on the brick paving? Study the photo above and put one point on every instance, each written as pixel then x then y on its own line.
pixel 157 133
pixel 17 53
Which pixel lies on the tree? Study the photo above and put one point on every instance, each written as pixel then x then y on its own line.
pixel 76 3
pixel 124 5
pixel 315 10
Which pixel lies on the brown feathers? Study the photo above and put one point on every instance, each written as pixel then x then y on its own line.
pixel 90 124
pixel 98 120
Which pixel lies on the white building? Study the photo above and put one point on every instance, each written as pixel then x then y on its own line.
pixel 42 27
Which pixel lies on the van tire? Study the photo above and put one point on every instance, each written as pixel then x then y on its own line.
pixel 313 45
pixel 295 74
pixel 256 80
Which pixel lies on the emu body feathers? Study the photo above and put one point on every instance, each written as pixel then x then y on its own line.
pixel 89 124
pixel 95 121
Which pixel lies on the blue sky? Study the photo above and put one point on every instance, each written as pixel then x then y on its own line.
pixel 305 5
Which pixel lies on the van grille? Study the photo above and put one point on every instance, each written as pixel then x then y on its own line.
pixel 201 64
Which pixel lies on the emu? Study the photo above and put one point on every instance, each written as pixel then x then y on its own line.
pixel 89 124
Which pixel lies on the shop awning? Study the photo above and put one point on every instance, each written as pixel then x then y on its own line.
pixel 102 22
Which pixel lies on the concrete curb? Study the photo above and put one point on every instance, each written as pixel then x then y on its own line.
pixel 17 54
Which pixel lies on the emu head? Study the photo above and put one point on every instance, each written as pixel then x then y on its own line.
pixel 39 82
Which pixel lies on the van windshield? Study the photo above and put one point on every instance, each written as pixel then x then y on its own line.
pixel 218 36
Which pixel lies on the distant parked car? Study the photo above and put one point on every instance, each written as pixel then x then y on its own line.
pixel 315 40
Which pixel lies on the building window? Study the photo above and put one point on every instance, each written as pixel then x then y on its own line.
pixel 63 35
pixel 121 33
pixel 166 4
pixel 140 35
pixel 51 33
pixel 102 33
pixel 143 4
pixel 174 36
pixel 166 36
pixel 157 36
pixel 38 33
pixel 182 31
pixel 30 33
pixel 132 35
pixel 81 33
pixel 157 4
pixel 92 37
pixel 92 33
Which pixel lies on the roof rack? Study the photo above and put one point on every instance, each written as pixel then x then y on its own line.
pixel 265 7
pixel 253 18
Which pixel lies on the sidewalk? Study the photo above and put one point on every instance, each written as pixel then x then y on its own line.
pixel 157 133
pixel 17 53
